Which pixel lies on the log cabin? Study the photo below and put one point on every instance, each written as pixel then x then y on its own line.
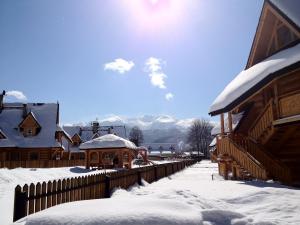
pixel 259 132
pixel 109 151
pixel 29 133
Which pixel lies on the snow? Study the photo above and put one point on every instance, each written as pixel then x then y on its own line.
pixel 11 117
pixel 187 197
pixel 213 142
pixel 9 179
pixel 247 79
pixel 108 141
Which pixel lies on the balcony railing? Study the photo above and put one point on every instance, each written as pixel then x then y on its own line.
pixel 262 127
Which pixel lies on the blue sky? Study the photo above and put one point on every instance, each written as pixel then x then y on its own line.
pixel 66 50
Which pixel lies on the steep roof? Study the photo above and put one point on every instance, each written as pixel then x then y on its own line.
pixel 12 115
pixel 108 141
pixel 289 8
pixel 247 81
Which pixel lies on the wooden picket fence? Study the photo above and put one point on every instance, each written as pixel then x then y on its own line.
pixel 41 163
pixel 33 198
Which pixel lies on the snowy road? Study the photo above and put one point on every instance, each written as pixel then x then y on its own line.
pixel 188 197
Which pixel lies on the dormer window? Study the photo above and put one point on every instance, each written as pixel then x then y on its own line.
pixel 29 127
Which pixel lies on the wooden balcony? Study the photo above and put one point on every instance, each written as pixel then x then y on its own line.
pixel 285 111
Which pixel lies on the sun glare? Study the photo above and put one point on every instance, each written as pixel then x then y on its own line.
pixel 156 15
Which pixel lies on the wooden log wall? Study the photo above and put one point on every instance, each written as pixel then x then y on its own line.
pixel 41 163
pixel 33 198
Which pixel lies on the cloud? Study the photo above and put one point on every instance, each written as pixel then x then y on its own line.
pixel 169 96
pixel 119 65
pixel 17 94
pixel 154 67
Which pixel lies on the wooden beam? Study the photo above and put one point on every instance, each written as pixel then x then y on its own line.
pixel 230 121
pixel 222 124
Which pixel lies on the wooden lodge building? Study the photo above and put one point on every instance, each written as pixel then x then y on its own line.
pixel 109 151
pixel 81 134
pixel 259 133
pixel 30 134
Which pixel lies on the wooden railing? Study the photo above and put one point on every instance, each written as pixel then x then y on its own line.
pixel 32 198
pixel 274 167
pixel 242 157
pixel 262 126
pixel 41 163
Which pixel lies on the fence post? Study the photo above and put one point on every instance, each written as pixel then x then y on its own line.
pixel 107 186
pixel 139 175
pixel 155 173
pixel 166 170
pixel 20 204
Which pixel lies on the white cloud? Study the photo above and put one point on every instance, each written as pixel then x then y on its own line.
pixel 17 94
pixel 169 96
pixel 158 80
pixel 119 65
pixel 154 67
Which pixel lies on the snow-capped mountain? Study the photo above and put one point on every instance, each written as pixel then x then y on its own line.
pixel 148 122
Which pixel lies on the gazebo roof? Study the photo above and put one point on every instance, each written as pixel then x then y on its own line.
pixel 108 141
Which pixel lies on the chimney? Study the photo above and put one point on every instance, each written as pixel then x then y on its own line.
pixel 1 100
pixel 24 110
pixel 57 113
pixel 95 126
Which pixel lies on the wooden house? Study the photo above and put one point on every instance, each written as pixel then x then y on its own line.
pixel 109 151
pixel 29 132
pixel 81 134
pixel 259 132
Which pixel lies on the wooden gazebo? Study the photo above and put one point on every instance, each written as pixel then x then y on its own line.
pixel 108 151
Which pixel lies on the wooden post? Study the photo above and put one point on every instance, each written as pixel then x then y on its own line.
pixel 155 173
pixel 222 124
pixel 87 159
pixel 20 205
pixel 230 122
pixel 139 175
pixel 107 186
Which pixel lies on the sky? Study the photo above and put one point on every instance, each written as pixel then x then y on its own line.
pixel 124 57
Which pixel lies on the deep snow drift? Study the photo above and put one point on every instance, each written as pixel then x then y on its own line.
pixel 188 197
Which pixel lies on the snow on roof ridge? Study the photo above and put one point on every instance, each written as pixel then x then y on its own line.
pixel 108 141
pixel 247 79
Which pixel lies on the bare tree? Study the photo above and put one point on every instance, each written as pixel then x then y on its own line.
pixel 136 136
pixel 199 136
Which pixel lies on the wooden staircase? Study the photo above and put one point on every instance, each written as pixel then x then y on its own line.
pixel 276 134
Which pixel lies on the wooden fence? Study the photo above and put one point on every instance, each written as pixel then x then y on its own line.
pixel 33 198
pixel 41 163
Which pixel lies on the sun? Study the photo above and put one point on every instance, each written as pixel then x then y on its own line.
pixel 155 15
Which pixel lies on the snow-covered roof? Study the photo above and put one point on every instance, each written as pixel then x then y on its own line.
pixel 236 118
pixel 241 86
pixel 213 142
pixel 108 141
pixel 290 8
pixel 12 115
pixel 86 132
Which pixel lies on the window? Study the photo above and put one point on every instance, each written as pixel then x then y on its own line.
pixel 284 36
pixel 33 156
pixel 29 132
pixel 94 156
pixel 14 156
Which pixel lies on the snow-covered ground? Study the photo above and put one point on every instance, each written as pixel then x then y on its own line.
pixel 9 179
pixel 188 197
